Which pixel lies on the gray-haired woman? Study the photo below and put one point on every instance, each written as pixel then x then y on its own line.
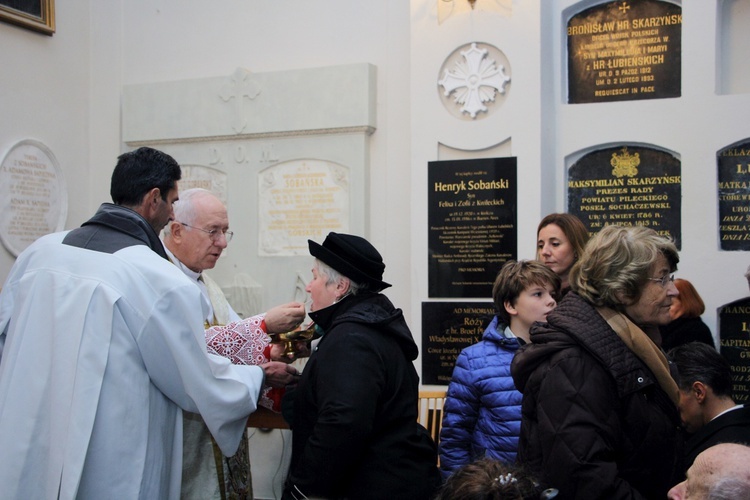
pixel 599 414
pixel 355 429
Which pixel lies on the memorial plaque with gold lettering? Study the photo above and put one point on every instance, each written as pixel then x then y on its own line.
pixel 622 51
pixel 628 186
pixel 472 224
pixel 734 339
pixel 447 328
pixel 734 197
pixel 300 200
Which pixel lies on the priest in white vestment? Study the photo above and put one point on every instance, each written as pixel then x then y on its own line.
pixel 101 348
pixel 194 241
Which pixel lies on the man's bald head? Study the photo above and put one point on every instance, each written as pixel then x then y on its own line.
pixel 718 473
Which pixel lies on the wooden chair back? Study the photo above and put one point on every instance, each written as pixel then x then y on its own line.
pixel 430 414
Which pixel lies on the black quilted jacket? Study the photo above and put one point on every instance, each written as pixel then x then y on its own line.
pixel 355 431
pixel 595 423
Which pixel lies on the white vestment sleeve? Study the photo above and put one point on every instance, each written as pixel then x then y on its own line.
pixel 222 393
pixel 100 353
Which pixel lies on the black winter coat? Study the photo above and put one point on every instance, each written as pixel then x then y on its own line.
pixel 355 431
pixel 731 427
pixel 684 330
pixel 595 423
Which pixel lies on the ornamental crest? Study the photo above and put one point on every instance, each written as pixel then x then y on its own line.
pixel 474 80
pixel 625 164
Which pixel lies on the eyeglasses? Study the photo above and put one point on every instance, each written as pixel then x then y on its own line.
pixel 214 234
pixel 664 280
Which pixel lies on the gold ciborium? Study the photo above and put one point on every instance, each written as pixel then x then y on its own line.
pixel 306 334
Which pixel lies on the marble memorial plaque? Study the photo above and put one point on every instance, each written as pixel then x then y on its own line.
pixel 300 200
pixel 199 176
pixel 622 51
pixel 447 328
pixel 472 224
pixel 628 186
pixel 33 196
pixel 734 342
pixel 733 165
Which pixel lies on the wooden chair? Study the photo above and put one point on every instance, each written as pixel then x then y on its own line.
pixel 430 412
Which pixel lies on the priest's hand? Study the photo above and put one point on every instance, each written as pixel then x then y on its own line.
pixel 280 374
pixel 285 318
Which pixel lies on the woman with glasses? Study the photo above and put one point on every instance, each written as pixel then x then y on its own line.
pixel 599 412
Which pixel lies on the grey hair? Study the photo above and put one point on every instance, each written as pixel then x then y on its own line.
pixel 729 488
pixel 616 263
pixel 184 208
pixel 333 277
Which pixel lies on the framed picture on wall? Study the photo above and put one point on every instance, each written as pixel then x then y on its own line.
pixel 37 15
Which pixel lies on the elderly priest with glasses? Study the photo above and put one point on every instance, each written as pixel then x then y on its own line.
pixel 194 240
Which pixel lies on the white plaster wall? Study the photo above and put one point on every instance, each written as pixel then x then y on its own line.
pixel 694 126
pixel 144 41
pixel 168 40
pixel 516 124
pixel 44 95
pixel 65 92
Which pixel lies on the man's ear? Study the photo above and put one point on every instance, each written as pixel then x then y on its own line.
pixel 510 308
pixel 699 391
pixel 175 229
pixel 150 203
pixel 155 197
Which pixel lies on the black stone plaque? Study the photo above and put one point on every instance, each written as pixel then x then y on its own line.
pixel 733 164
pixel 734 341
pixel 628 186
pixel 623 51
pixel 448 327
pixel 472 224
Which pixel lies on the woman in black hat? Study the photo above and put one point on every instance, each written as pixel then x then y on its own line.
pixel 355 430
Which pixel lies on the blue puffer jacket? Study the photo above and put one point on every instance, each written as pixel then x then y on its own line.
pixel 483 408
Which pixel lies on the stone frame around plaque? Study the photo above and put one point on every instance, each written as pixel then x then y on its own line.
pixel 300 200
pixel 733 175
pixel 623 51
pixel 627 184
pixel 244 123
pixel 33 195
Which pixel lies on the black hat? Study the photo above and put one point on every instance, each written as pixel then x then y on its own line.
pixel 352 256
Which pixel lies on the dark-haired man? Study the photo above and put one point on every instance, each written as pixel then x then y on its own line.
pixel 101 347
pixel 707 409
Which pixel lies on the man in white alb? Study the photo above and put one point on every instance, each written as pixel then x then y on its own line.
pixel 101 348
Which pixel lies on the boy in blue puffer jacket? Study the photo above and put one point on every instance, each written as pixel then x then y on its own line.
pixel 482 415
